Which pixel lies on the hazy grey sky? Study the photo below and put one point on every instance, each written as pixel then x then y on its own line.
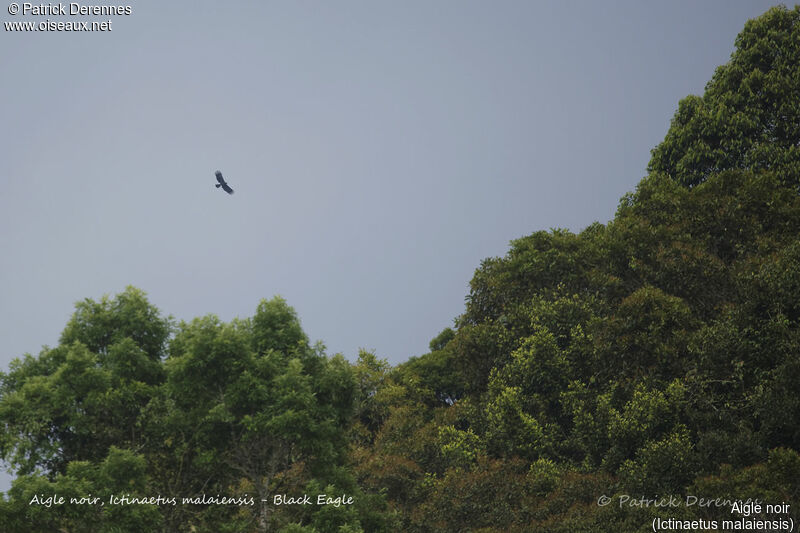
pixel 379 151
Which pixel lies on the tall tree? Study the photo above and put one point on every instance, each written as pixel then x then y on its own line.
pixel 749 116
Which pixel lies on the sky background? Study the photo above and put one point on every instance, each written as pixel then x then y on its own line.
pixel 379 151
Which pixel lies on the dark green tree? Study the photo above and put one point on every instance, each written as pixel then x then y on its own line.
pixel 749 116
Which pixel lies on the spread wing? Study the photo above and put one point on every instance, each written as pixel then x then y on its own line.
pixel 225 186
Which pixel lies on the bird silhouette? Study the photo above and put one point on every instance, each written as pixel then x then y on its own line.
pixel 225 186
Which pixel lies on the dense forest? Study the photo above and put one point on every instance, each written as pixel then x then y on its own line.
pixel 643 369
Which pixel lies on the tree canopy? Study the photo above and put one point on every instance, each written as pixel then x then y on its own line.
pixel 130 404
pixel 749 116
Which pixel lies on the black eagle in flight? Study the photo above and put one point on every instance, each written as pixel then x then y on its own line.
pixel 225 186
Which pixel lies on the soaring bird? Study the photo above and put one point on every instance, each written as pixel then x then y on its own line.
pixel 225 186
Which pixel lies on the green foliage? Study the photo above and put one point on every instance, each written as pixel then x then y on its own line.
pixel 660 465
pixel 749 116
pixel 238 409
pixel 435 377
pixel 276 327
pixel 645 336
pixel 638 357
pixel 538 262
pixel 510 429
pixel 645 418
pixel 98 325
pixel 441 340
pixel 120 473
pixel 459 448
pixel 74 401
pixel 774 481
